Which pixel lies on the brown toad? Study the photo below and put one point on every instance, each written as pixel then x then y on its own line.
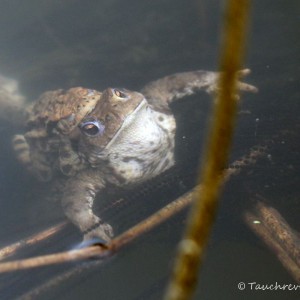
pixel 55 115
pixel 122 137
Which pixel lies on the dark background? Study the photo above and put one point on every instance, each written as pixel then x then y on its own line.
pixel 59 44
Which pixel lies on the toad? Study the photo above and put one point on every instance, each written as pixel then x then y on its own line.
pixel 103 139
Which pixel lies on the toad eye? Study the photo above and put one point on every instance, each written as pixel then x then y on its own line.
pixel 92 128
pixel 120 94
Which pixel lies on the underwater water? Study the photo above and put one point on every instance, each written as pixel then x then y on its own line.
pixel 47 45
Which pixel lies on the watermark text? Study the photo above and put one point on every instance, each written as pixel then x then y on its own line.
pixel 256 286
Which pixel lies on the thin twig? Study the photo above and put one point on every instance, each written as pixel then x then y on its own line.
pixel 192 247
pixel 32 240
pixel 92 251
pixel 267 223
pixel 142 227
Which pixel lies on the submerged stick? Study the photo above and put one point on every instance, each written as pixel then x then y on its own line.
pixel 32 240
pixel 51 259
pixel 267 223
pixel 202 216
pixel 132 233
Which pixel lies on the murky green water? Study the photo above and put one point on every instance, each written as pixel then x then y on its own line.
pixel 47 45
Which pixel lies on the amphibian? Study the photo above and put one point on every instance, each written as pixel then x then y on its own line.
pixel 98 140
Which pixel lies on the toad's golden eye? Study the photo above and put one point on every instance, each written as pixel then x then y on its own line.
pixel 92 128
pixel 120 94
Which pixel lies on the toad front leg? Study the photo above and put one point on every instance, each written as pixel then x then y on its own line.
pixel 77 203
pixel 162 92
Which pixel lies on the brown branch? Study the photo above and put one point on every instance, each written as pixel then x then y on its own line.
pixel 142 227
pixel 100 252
pixel 51 259
pixel 274 231
pixel 32 240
